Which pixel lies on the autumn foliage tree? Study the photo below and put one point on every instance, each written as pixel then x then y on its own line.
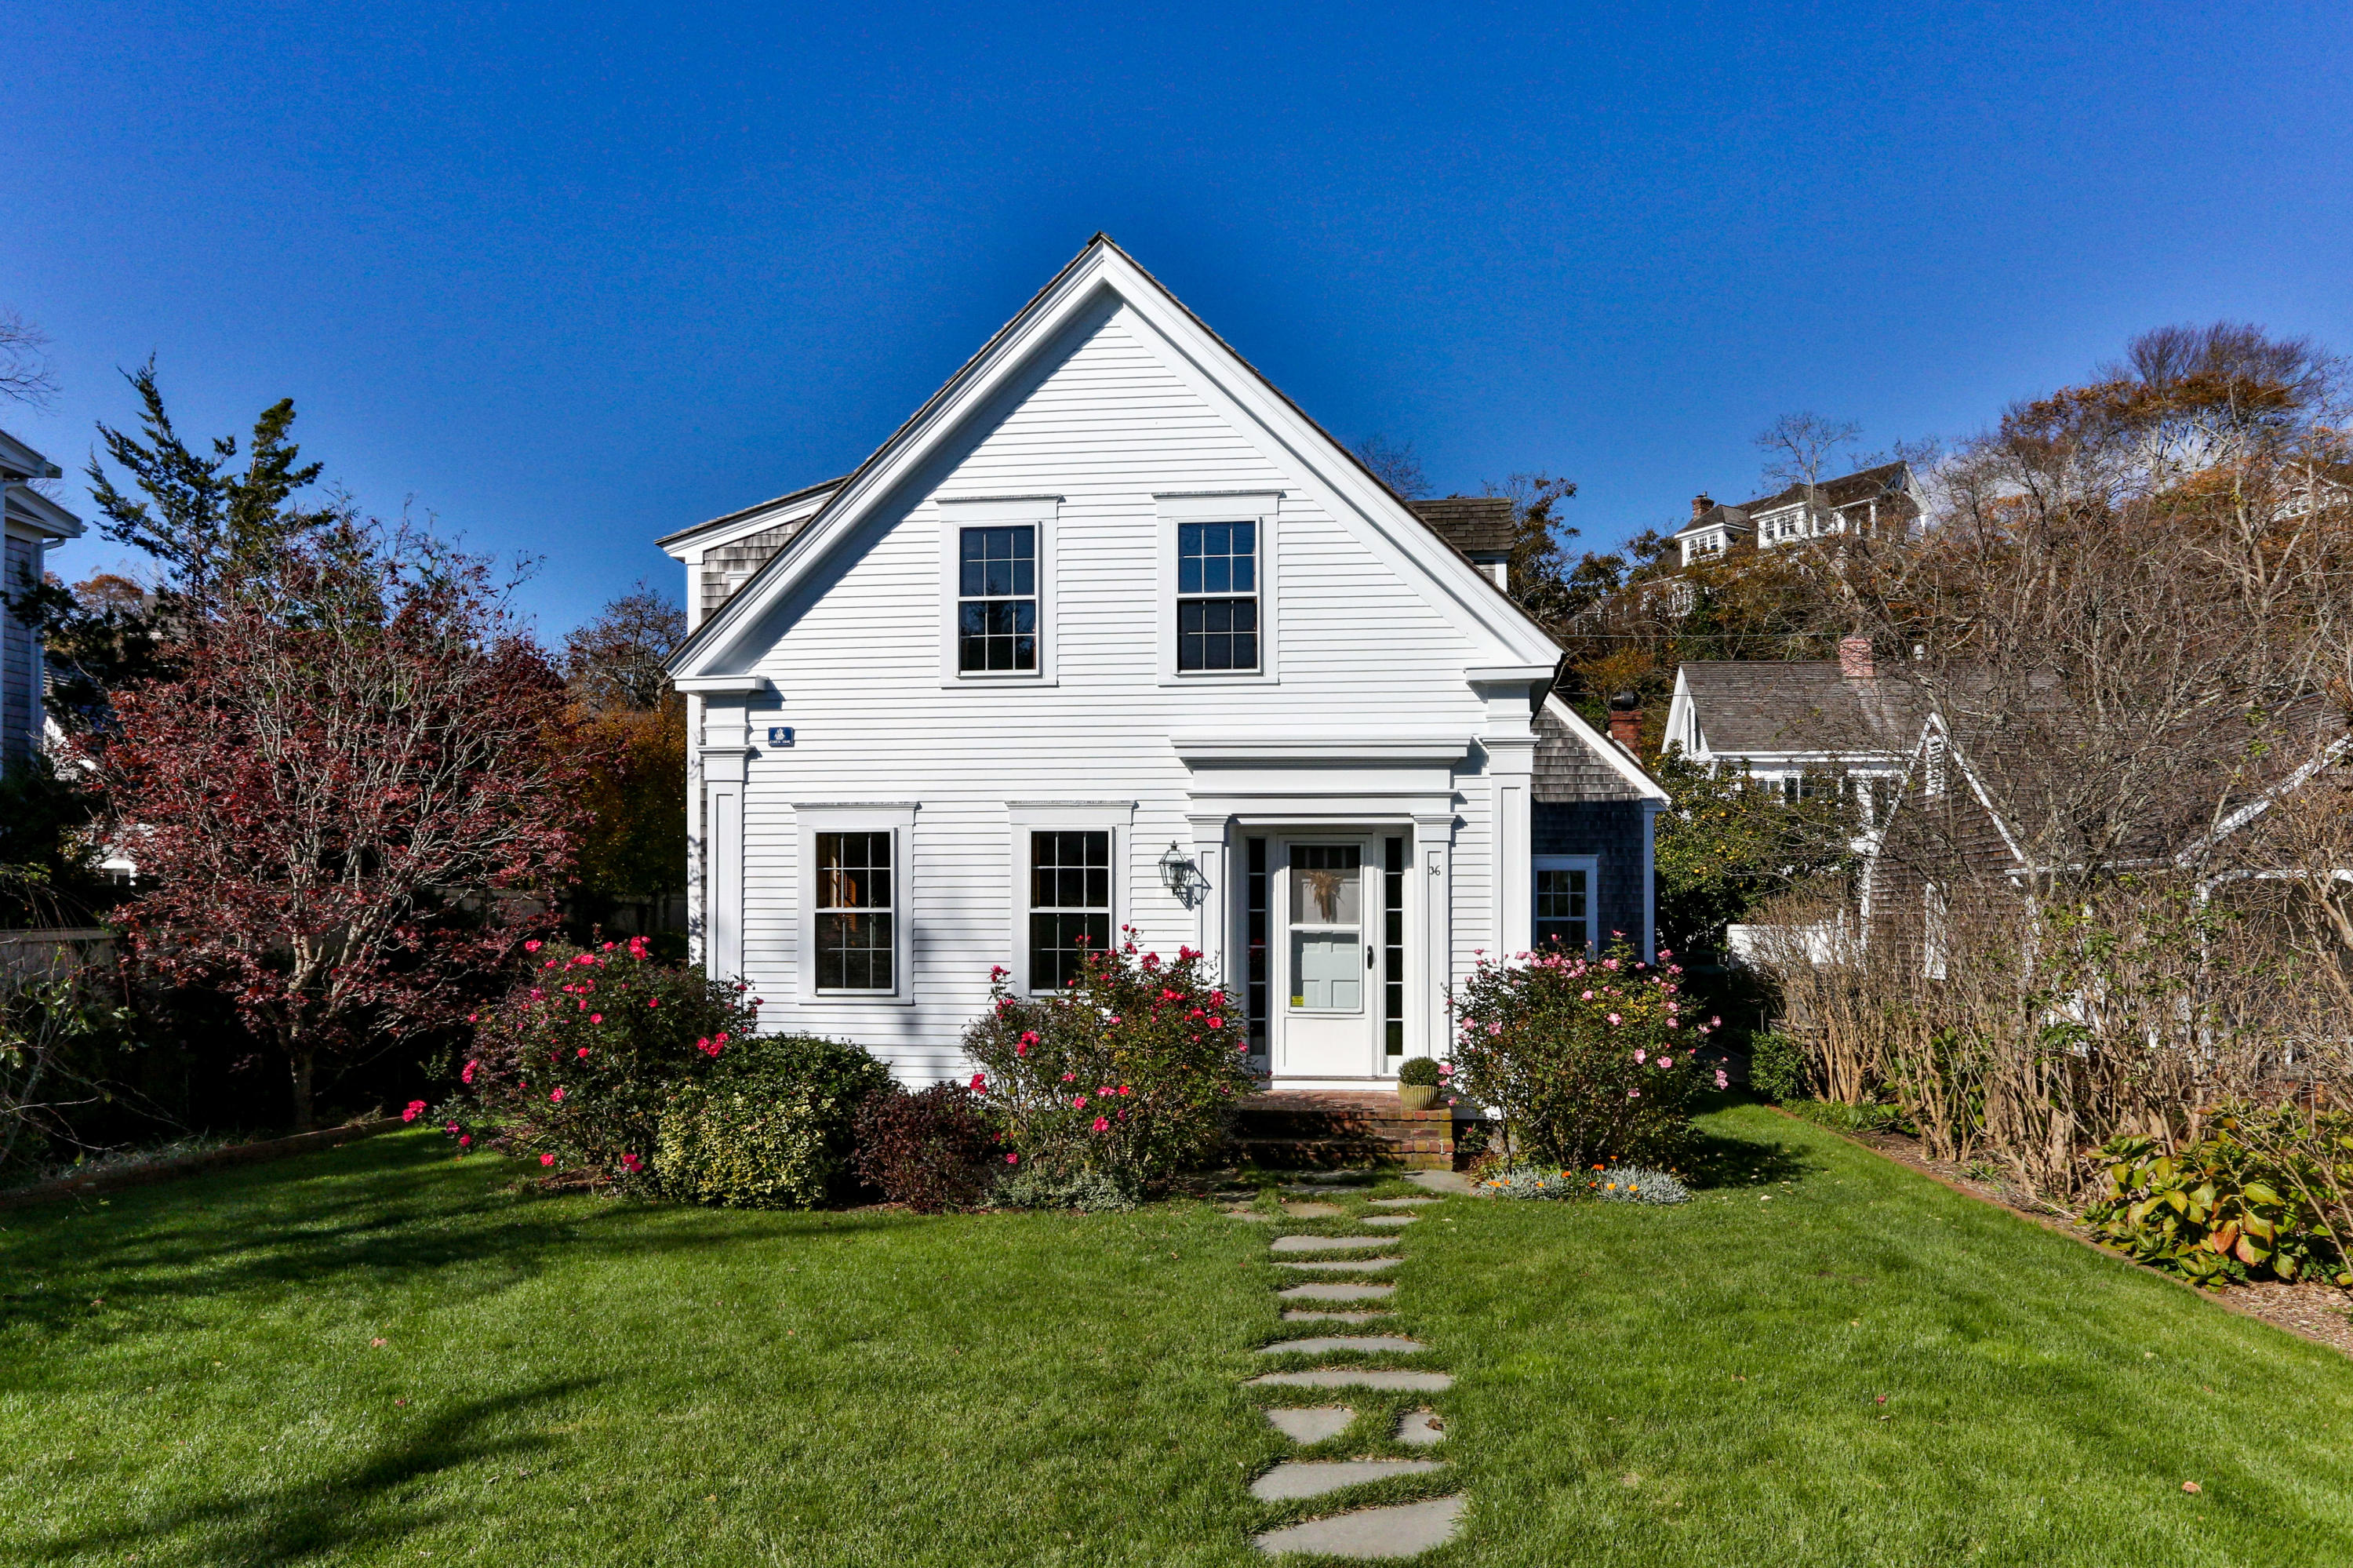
pixel 627 719
pixel 341 797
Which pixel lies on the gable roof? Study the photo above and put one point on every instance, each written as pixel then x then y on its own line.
pixel 1800 706
pixel 18 460
pixel 1730 518
pixel 703 533
pixel 1101 279
pixel 1863 485
pixel 1576 762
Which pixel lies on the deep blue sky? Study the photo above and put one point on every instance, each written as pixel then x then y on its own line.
pixel 572 277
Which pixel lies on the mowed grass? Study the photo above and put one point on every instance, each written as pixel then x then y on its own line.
pixel 574 1380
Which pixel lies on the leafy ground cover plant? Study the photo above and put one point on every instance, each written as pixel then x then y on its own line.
pixel 576 1066
pixel 1585 1059
pixel 2250 1198
pixel 1128 1074
pixel 1604 1184
pixel 935 1151
pixel 1844 1118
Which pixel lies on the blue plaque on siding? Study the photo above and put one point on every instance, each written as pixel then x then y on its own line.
pixel 780 734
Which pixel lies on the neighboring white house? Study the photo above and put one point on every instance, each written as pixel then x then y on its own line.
pixel 1886 499
pixel 33 523
pixel 1793 724
pixel 1110 634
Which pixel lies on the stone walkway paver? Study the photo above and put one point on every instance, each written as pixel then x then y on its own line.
pixel 1368 1344
pixel 1311 1423
pixel 1295 1315
pixel 1311 1478
pixel 1400 1203
pixel 1328 1243
pixel 1322 1292
pixel 1342 1265
pixel 1353 1377
pixel 1421 1429
pixel 1389 1219
pixel 1407 1531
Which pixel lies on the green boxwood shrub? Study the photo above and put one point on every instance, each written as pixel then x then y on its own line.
pixel 1779 1066
pixel 1420 1072
pixel 773 1127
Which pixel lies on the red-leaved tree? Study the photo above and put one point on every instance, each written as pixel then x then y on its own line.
pixel 349 799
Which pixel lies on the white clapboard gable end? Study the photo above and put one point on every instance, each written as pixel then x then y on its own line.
pixel 1110 634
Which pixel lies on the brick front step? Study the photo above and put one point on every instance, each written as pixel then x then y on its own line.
pixel 1304 1129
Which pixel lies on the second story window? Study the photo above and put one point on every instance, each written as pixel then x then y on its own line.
pixel 1217 597
pixel 996 600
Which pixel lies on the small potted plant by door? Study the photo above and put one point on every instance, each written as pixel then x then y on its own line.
pixel 1417 1081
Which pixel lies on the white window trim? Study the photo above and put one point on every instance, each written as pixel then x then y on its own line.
pixel 1026 817
pixel 1588 863
pixel 1259 506
pixel 959 512
pixel 898 819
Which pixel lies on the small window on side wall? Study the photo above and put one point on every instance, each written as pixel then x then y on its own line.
pixel 1565 886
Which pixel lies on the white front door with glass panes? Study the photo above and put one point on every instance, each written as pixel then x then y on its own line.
pixel 1327 985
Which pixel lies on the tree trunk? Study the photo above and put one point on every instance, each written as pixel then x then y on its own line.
pixel 299 1060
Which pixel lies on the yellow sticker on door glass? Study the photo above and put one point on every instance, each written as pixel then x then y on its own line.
pixel 1299 1002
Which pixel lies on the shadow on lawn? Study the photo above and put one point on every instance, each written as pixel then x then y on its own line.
pixel 323 1513
pixel 1717 1160
pixel 386 1220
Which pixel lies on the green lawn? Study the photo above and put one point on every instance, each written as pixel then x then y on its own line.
pixel 573 1380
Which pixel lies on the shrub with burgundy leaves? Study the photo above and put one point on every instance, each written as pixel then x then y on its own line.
pixel 934 1150
pixel 576 1066
pixel 1129 1072
pixel 1586 1059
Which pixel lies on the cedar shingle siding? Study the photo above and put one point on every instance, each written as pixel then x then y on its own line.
pixel 730 566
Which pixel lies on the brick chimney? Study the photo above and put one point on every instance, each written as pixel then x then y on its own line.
pixel 1700 504
pixel 1855 658
pixel 1626 720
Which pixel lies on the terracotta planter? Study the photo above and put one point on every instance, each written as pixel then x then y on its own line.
pixel 1416 1097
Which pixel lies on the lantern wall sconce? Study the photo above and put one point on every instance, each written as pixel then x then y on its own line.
pixel 1182 877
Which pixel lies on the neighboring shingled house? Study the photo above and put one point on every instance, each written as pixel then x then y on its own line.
pixel 35 522
pixel 1883 499
pixel 1785 722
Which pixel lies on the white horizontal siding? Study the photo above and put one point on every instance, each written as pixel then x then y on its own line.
pixel 1360 649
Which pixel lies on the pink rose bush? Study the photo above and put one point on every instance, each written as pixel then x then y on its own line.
pixel 1120 1080
pixel 1586 1060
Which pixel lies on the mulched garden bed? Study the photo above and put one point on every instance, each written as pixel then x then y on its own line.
pixel 2318 1312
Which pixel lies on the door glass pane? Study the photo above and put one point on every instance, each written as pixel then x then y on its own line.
pixel 1326 884
pixel 1327 942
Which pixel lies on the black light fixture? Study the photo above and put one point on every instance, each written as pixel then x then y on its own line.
pixel 1181 876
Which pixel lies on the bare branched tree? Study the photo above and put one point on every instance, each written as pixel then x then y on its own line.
pixel 1800 448
pixel 25 372
pixel 1395 464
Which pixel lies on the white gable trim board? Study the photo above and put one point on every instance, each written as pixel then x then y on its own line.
pixel 1239 696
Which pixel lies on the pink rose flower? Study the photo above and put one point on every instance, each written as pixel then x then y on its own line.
pixel 1587 997
pixel 464 1140
pixel 1666 1061
pixel 1080 1103
pixel 1639 1055
pixel 978 1083
pixel 1102 1125
pixel 1721 1081
pixel 415 1109
pixel 593 1018
pixel 1013 1159
pixel 1633 1094
pixel 581 1052
pixel 532 945
pixel 556 1099
pixel 547 1159
pixel 1615 1019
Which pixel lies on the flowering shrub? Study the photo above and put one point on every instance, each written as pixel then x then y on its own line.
pixel 1585 1059
pixel 770 1124
pixel 582 1057
pixel 935 1150
pixel 1128 1074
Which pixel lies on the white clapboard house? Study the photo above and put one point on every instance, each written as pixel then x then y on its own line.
pixel 1110 633
pixel 35 523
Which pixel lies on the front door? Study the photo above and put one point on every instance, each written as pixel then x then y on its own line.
pixel 1327 1017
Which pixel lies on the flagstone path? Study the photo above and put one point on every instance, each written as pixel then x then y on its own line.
pixel 1397 1530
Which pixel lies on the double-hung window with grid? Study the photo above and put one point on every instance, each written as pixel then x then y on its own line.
pixel 1070 904
pixel 1217 597
pixel 854 913
pixel 997 600
pixel 1564 911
